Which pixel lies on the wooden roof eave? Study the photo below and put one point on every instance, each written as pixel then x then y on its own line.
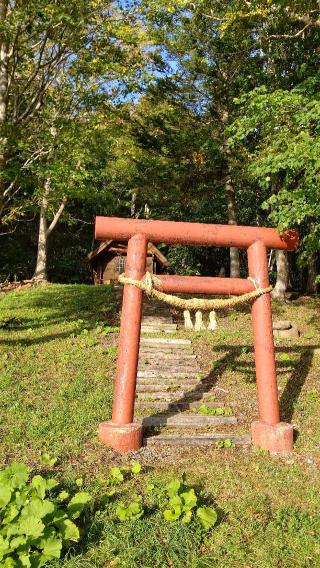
pixel 106 244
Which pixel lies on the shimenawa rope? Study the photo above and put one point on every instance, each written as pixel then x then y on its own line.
pixel 151 284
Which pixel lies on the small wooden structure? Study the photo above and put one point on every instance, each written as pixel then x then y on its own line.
pixel 108 261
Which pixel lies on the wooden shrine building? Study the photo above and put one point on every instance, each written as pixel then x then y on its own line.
pixel 108 260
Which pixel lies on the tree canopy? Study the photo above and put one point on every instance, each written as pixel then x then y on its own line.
pixel 202 111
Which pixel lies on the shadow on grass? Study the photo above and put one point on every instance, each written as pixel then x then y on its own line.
pixel 55 305
pixel 294 385
pixel 288 398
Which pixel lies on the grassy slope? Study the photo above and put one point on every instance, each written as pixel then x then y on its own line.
pixel 56 385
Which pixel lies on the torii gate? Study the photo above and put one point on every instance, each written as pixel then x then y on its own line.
pixel 121 433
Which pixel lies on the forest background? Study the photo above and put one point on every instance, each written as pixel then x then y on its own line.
pixel 204 111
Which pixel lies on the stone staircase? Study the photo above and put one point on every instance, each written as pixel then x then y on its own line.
pixel 170 390
pixel 156 318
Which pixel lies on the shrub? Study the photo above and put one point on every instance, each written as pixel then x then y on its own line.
pixel 36 519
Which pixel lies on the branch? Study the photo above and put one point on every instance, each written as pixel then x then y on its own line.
pixel 289 36
pixel 56 217
pixel 27 163
pixel 314 23
pixel 81 220
pixel 8 232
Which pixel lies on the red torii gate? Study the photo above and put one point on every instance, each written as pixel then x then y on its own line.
pixel 121 433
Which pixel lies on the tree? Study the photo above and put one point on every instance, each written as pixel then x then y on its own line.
pixel 211 68
pixel 60 65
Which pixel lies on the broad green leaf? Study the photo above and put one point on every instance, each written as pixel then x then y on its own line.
pixel 132 512
pixel 187 517
pixel 121 512
pixel 135 467
pixel 68 530
pixel 135 510
pixel 40 485
pixel 11 513
pixel 46 459
pixel 4 546
pixel 21 497
pixel 116 476
pixel 208 517
pixel 189 499
pixel 59 515
pixel 14 476
pixel 173 487
pixel 13 529
pixel 172 515
pixel 37 560
pixel 10 563
pixel 77 504
pixel 51 547
pixel 51 483
pixel 175 501
pixel 38 508
pixel 5 496
pixel 18 541
pixel 31 526
pixel 25 560
pixel 63 495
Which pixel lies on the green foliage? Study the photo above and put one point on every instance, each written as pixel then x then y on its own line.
pixel 215 411
pixel 313 395
pixel 284 126
pixel 131 511
pixel 35 522
pixel 48 460
pixel 227 443
pixel 182 503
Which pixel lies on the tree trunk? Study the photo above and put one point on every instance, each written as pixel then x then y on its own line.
pixel 232 220
pixel 282 282
pixel 3 95
pixel 231 199
pixel 133 204
pixel 40 274
pixel 312 274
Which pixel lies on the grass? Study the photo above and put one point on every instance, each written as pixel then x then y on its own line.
pixel 56 372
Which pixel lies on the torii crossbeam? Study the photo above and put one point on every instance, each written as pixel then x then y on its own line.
pixel 122 433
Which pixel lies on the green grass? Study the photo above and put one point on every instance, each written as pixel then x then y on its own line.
pixel 56 373
pixel 56 379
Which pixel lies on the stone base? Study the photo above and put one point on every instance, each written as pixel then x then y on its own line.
pixel 121 437
pixel 276 438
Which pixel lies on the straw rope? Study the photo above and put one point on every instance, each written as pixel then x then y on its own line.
pixel 151 283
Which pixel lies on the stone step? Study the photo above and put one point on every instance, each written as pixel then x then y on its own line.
pixel 203 440
pixel 155 387
pixel 155 323
pixel 181 395
pixel 160 330
pixel 185 420
pixel 165 341
pixel 156 319
pixel 164 325
pixel 167 359
pixel 164 373
pixel 174 406
pixel 153 355
pixel 167 382
pixel 157 330
pixel 171 367
pixel 163 352
pixel 147 312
